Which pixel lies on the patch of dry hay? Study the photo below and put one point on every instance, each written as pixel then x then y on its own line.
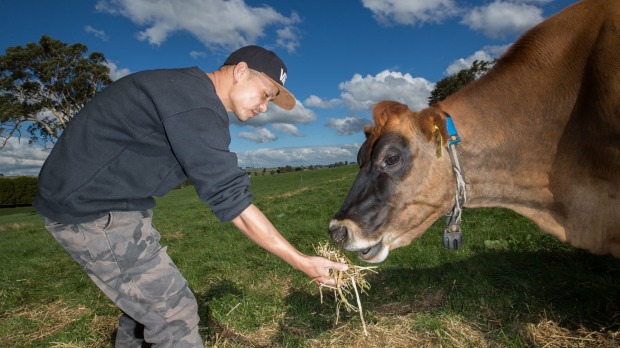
pixel 549 334
pixel 16 226
pixel 225 337
pixel 52 318
pixel 401 331
pixel 349 283
pixel 48 319
pixel 413 330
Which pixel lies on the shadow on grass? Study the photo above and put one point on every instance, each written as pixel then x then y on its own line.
pixel 501 292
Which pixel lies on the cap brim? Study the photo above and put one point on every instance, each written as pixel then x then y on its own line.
pixel 284 99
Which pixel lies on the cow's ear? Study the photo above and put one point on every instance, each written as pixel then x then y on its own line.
pixel 432 125
pixel 382 110
pixel 368 130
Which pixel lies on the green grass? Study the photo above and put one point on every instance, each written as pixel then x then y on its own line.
pixel 510 286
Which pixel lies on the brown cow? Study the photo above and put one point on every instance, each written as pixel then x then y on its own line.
pixel 540 135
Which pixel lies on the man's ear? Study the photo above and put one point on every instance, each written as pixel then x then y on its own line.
pixel 241 71
pixel 432 124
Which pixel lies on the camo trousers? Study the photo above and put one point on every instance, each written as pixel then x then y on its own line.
pixel 121 253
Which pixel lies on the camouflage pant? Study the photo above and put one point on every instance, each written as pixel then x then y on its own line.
pixel 121 253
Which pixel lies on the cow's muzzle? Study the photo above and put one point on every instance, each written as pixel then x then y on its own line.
pixel 339 233
pixel 367 250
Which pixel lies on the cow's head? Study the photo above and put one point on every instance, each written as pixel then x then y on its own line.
pixel 402 186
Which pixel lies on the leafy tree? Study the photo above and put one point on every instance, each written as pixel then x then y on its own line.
pixel 44 84
pixel 449 85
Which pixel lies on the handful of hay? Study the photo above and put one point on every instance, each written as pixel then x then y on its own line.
pixel 346 281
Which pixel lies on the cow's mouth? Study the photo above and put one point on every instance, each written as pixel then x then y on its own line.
pixel 373 254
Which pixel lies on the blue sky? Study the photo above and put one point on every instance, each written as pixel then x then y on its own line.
pixel 342 56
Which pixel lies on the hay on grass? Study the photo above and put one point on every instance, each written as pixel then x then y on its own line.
pixel 348 283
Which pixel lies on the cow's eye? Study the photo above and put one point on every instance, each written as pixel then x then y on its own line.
pixel 392 160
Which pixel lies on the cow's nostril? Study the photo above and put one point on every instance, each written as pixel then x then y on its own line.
pixel 339 233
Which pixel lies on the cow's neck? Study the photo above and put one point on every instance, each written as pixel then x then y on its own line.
pixel 511 120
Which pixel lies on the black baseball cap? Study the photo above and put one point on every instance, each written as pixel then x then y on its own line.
pixel 268 63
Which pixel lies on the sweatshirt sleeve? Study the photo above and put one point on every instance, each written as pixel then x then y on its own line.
pixel 200 140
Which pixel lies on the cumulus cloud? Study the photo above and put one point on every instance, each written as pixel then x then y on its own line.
pixel 488 53
pixel 275 114
pixel 360 93
pixel 320 155
pixel 260 135
pixel 288 38
pixel 317 102
pixel 116 72
pixel 498 19
pixel 20 158
pixel 348 125
pixel 410 12
pixel 287 129
pixel 100 34
pixel 502 18
pixel 225 24
pixel 197 54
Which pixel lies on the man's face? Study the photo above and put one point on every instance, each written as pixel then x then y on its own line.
pixel 251 94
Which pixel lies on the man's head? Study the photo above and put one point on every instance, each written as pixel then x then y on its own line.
pixel 270 66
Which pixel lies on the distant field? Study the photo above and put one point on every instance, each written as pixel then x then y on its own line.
pixel 510 286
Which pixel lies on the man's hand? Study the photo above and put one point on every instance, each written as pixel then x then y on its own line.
pixel 317 268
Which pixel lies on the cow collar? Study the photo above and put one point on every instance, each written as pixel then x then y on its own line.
pixel 452 235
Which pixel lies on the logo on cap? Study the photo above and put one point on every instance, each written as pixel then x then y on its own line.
pixel 282 76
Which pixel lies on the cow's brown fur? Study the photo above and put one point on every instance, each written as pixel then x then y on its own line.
pixel 541 136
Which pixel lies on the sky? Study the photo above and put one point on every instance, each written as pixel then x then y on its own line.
pixel 342 57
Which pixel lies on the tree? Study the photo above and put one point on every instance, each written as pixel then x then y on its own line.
pixel 449 85
pixel 43 85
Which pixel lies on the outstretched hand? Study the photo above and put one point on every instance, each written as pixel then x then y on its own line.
pixel 317 268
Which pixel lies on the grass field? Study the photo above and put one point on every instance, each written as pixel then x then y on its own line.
pixel 510 286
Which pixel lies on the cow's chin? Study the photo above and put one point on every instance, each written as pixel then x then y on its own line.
pixel 370 253
pixel 375 254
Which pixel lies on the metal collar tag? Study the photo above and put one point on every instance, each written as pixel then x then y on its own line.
pixel 453 236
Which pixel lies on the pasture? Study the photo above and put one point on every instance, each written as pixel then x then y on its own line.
pixel 510 286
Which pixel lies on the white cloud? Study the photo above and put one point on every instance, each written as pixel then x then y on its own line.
pixel 321 155
pixel 488 53
pixel 275 114
pixel 197 54
pixel 226 24
pixel 360 93
pixel 115 72
pixel 348 125
pixel 410 12
pixel 502 18
pixel 288 38
pixel 287 129
pixel 260 135
pixel 317 102
pixel 20 158
pixel 100 34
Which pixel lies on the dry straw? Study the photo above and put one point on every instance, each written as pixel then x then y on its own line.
pixel 349 282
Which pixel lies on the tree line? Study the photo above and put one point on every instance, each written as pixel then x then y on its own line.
pixel 17 192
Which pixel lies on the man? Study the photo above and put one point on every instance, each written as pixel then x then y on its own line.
pixel 141 137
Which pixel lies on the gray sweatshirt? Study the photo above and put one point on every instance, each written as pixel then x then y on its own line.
pixel 140 137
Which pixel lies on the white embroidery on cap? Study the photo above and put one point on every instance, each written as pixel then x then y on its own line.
pixel 282 76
